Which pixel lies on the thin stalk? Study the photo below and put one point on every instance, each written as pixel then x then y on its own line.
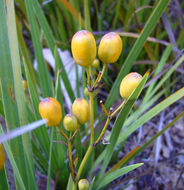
pixel 70 158
pixel 101 75
pixel 74 134
pixel 103 131
pixel 91 107
pixel 121 105
pixel 62 133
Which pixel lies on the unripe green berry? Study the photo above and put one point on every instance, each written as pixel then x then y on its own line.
pixel 96 63
pixel 83 184
pixel 70 122
pixel 129 84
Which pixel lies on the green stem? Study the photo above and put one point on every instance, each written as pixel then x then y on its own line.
pixel 103 131
pixel 86 157
pixel 91 107
pixel 100 77
pixel 62 133
pixel 70 158
pixel 121 105
pixel 91 117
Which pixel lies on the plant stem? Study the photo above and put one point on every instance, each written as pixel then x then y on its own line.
pixel 62 133
pixel 103 131
pixel 84 162
pixel 101 75
pixel 121 105
pixel 91 107
pixel 70 157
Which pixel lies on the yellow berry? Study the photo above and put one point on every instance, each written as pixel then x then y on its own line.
pixel 80 109
pixel 70 122
pixel 83 48
pixel 50 109
pixel 2 156
pixel 110 47
pixel 83 184
pixel 96 63
pixel 129 84
pixel 24 83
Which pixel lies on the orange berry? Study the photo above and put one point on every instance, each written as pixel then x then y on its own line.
pixel 50 109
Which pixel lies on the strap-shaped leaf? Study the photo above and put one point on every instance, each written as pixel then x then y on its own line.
pixel 120 121
pixel 114 175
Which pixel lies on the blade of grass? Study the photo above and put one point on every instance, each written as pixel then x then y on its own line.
pixel 51 43
pixel 40 133
pixel 19 92
pixel 151 113
pixel 4 180
pixel 25 54
pixel 118 6
pixel 119 123
pixel 73 12
pixel 87 15
pixel 45 80
pixel 119 164
pixel 167 75
pixel 160 66
pixel 13 162
pixel 114 175
pixel 8 95
pixel 136 49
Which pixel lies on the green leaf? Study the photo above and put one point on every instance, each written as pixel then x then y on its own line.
pixel 136 49
pixel 19 91
pixel 114 175
pixel 13 163
pixel 44 77
pixel 151 113
pixel 4 180
pixel 51 43
pixel 119 123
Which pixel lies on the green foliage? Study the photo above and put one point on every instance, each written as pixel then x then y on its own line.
pixel 52 25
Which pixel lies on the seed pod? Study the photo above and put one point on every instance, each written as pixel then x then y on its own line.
pixel 129 83
pixel 2 156
pixel 70 122
pixel 110 48
pixel 83 48
pixel 50 109
pixel 96 63
pixel 83 184
pixel 80 109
